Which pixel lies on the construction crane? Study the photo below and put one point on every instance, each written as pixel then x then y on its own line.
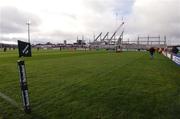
pixel 97 37
pixel 102 40
pixel 113 36
pixel 120 38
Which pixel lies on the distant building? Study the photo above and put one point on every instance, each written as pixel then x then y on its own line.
pixel 8 44
pixel 80 43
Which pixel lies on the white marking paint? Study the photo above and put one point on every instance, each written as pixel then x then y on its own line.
pixel 8 99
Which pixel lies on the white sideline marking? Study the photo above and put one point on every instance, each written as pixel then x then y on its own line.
pixel 8 99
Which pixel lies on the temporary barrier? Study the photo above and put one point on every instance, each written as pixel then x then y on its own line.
pixel 174 57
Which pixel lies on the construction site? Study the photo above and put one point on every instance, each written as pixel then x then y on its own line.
pixel 117 42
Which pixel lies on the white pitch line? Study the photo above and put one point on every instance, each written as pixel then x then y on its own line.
pixel 8 99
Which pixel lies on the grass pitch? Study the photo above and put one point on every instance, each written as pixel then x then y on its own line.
pixel 92 85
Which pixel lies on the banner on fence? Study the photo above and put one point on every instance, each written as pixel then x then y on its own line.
pixel 176 59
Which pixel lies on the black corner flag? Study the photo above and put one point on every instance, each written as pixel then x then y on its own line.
pixel 24 86
pixel 24 49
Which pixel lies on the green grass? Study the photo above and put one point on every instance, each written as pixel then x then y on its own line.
pixel 92 85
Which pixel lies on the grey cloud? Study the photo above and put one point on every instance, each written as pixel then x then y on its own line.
pixel 70 15
pixel 12 20
pixel 104 17
pixel 43 37
pixel 60 34
pixel 155 17
pixel 98 6
pixel 144 17
pixel 54 36
pixel 12 39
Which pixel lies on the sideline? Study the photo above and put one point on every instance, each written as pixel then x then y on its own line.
pixel 8 99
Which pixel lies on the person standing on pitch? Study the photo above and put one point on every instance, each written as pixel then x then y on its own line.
pixel 152 51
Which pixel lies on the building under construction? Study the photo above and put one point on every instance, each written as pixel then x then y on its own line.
pixel 107 41
pixel 116 41
pixel 144 43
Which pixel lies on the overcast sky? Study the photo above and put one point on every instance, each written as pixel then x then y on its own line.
pixel 59 20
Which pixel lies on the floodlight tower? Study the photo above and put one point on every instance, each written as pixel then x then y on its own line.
pixel 28 25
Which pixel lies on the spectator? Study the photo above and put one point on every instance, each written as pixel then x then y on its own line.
pixel 5 49
pixel 152 51
pixel 160 50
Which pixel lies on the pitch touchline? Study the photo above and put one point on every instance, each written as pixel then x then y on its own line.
pixel 8 99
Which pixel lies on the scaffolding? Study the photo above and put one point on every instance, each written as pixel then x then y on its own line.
pixel 145 43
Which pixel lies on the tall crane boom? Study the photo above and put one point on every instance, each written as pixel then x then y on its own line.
pixel 98 37
pixel 105 37
pixel 120 38
pixel 115 32
pixel 119 27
